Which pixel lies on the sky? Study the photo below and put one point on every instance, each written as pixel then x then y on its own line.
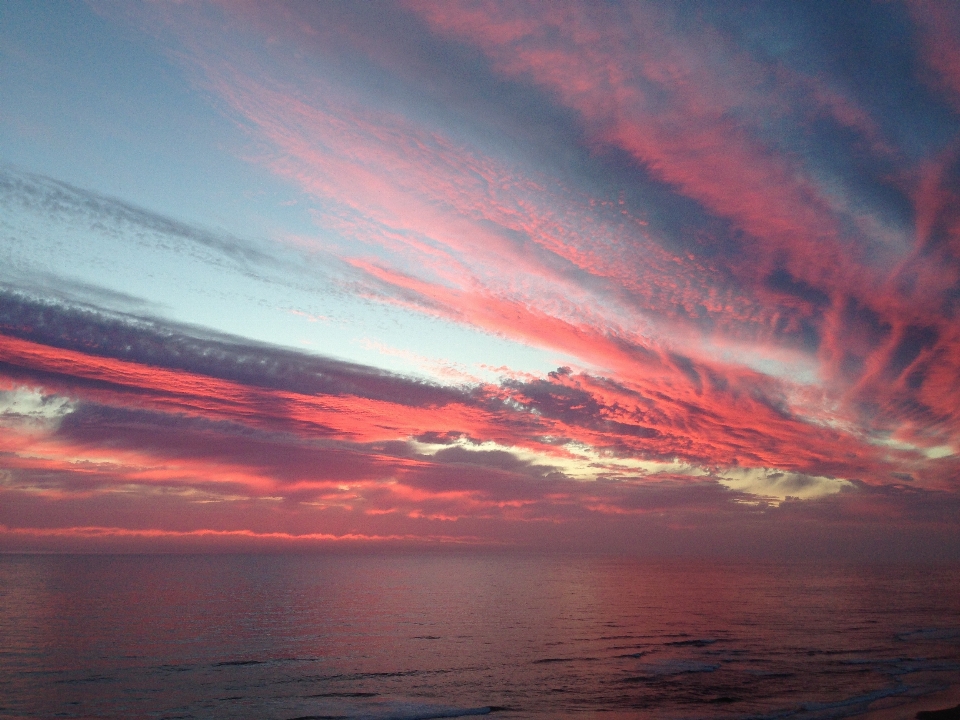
pixel 663 278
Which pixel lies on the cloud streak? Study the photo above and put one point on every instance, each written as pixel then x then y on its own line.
pixel 356 452
pixel 736 235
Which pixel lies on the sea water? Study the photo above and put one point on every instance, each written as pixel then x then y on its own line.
pixel 429 635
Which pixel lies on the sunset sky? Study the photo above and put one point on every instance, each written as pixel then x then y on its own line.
pixel 667 277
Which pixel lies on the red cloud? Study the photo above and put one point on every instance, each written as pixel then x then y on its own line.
pixel 749 243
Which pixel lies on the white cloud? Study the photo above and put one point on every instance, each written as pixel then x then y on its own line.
pixel 29 410
pixel 582 462
pixel 780 484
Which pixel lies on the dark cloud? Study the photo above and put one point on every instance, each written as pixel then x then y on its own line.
pixel 163 344
pixel 273 454
pixel 780 280
pixel 576 406
pixel 57 201
pixel 913 340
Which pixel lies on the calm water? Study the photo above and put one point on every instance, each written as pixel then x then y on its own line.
pixel 441 635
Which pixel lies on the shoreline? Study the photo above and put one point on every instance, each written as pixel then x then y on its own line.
pixel 942 700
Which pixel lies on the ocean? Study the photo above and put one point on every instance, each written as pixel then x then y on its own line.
pixel 448 634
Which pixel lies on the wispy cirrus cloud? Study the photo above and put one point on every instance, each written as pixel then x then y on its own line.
pixel 161 435
pixel 737 237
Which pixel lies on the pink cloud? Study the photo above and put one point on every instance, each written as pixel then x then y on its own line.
pixel 687 333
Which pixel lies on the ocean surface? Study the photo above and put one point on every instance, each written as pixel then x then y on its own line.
pixel 429 635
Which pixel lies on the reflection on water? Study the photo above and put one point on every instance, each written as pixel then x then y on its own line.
pixel 440 635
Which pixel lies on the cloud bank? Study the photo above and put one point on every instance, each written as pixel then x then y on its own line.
pixel 736 229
